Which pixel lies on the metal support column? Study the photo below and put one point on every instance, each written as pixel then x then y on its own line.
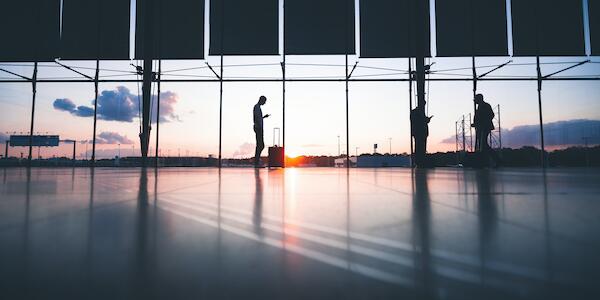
pixel 539 89
pixel 221 85
pixel 410 108
pixel 420 54
pixel 157 112
pixel 34 91
pixel 420 51
pixel 283 89
pixel 146 100
pixel 220 108
pixel 158 81
pixel 283 110
pixel 346 77
pixel 347 119
pixel 96 77
pixel 147 79
pixel 93 162
pixel 74 150
pixel 6 149
pixel 474 70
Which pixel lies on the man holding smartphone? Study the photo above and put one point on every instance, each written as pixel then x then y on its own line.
pixel 258 129
pixel 419 129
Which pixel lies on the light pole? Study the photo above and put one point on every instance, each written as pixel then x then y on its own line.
pixel 338 144
pixel 356 151
pixel 390 146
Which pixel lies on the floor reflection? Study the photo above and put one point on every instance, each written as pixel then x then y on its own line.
pixel 258 203
pixel 390 233
pixel 142 262
pixel 421 218
pixel 89 234
pixel 487 213
pixel 547 233
pixel 25 255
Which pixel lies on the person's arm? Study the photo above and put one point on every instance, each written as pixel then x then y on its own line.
pixel 266 116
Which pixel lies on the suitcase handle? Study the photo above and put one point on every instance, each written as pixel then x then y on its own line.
pixel 278 136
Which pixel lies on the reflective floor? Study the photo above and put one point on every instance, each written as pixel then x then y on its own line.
pixel 316 233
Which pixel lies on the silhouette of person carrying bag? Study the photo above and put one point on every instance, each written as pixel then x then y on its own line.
pixel 483 123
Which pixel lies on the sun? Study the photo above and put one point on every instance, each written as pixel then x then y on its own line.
pixel 292 153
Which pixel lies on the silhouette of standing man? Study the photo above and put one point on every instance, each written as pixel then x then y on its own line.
pixel 258 129
pixel 483 123
pixel 419 128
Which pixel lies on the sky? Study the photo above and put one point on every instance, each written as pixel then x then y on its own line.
pixel 315 112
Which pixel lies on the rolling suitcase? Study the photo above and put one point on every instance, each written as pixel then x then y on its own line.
pixel 276 155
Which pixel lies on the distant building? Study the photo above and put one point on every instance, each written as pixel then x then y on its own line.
pixel 378 161
pixel 341 162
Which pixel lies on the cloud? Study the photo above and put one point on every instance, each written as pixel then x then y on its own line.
pixel 168 100
pixel 118 105
pixel 556 134
pixel 245 150
pixel 122 106
pixel 111 138
pixel 107 137
pixel 84 111
pixel 64 104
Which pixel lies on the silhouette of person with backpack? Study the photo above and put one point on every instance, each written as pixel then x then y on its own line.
pixel 483 123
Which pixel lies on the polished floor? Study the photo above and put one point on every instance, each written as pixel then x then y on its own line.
pixel 315 233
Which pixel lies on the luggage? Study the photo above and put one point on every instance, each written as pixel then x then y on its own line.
pixel 276 154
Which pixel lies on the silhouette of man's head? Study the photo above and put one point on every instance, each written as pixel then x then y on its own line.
pixel 262 100
pixel 478 98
